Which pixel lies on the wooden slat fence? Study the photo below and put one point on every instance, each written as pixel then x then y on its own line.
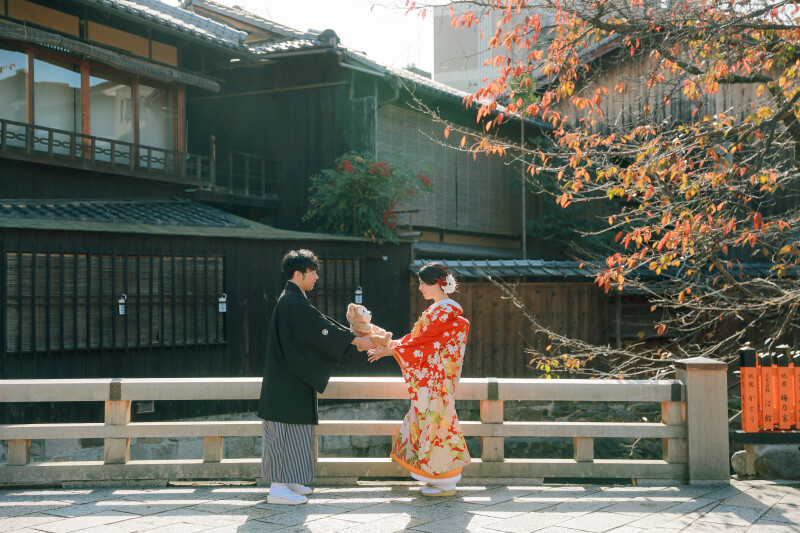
pixel 499 334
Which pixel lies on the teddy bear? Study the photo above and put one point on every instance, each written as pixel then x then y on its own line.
pixel 359 318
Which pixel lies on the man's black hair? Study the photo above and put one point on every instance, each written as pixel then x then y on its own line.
pixel 298 261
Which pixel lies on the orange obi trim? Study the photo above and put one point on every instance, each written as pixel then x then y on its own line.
pixel 417 471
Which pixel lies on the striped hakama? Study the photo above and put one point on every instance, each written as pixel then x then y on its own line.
pixel 287 453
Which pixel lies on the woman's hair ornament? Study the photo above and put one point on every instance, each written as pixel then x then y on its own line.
pixel 448 284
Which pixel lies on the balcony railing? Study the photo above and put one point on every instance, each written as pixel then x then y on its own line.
pixel 223 172
pixel 693 429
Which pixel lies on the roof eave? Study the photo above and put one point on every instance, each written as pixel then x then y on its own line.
pixel 239 48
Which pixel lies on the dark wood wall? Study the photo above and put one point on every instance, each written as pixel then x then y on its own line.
pixel 24 180
pixel 298 114
pixel 500 337
pixel 253 282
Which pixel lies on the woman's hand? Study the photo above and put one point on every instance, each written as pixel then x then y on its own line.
pixel 378 353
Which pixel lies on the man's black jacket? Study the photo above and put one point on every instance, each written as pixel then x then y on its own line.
pixel 304 347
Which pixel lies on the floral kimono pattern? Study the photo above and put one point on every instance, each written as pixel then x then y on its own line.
pixel 430 441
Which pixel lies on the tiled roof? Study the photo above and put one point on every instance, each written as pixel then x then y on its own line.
pixel 237 13
pixel 453 250
pixel 573 270
pixel 149 212
pixel 413 81
pixel 277 48
pixel 599 49
pixel 512 268
pixel 23 33
pixel 177 19
pixel 174 218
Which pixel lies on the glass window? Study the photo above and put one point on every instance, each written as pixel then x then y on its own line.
pixel 56 95
pixel 155 126
pixel 112 116
pixel 13 72
pixel 56 102
pixel 156 117
pixel 13 75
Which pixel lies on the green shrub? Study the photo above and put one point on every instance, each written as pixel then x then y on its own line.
pixel 359 196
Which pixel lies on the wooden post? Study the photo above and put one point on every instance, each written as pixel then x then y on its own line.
pixel 212 449
pixel 263 178
pixel 786 388
pixel 29 132
pixel 769 392
pixel 492 413
pixel 118 413
pixel 706 386
pixel 247 175
pixel 19 452
pixel 674 414
pixel 230 172
pixel 749 388
pixel 750 460
pixel 583 449
pixel 213 165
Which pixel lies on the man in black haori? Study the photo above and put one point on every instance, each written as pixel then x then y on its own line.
pixel 304 347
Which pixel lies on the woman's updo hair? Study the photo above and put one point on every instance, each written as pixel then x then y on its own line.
pixel 437 274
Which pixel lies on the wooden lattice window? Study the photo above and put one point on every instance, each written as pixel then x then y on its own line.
pixel 67 301
pixel 336 287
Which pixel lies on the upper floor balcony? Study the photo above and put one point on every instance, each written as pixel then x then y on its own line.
pixel 238 176
pixel 63 110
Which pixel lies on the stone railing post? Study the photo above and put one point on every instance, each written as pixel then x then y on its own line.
pixel 212 449
pixel 19 452
pixel 674 414
pixel 706 387
pixel 492 413
pixel 118 413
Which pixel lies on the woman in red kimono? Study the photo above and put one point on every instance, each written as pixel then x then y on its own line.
pixel 430 444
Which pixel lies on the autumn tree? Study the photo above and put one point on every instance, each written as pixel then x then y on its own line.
pixel 682 118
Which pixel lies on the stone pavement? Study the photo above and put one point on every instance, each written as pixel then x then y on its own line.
pixel 378 507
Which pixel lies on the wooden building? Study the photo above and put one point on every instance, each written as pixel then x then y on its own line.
pixel 131 203
pixel 474 209
pixel 609 64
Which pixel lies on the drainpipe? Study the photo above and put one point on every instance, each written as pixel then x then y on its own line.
pixel 375 119
pixel 522 175
pixel 392 99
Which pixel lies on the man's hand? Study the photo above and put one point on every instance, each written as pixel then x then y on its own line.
pixel 363 343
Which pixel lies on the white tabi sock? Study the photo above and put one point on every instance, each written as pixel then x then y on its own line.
pixel 280 493
pixel 297 488
pixel 437 484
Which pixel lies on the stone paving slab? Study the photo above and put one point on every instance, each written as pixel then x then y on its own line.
pixel 388 507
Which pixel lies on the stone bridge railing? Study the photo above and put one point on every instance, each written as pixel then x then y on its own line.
pixel 693 429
